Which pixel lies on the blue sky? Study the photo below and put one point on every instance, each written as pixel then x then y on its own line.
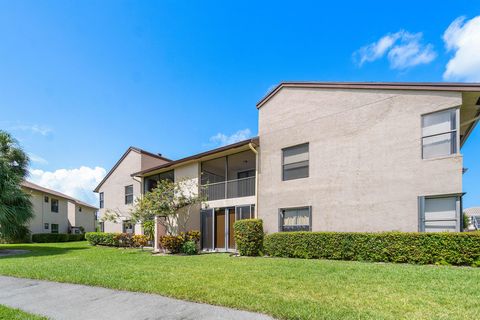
pixel 80 81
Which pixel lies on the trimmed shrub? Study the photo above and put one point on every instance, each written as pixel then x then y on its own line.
pixel 49 237
pixel 139 240
pixel 189 247
pixel 399 247
pixel 76 237
pixel 249 236
pixel 102 238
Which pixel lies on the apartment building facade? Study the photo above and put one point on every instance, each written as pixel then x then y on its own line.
pixel 337 157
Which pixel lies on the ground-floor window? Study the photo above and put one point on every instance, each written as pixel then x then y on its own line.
pixel 245 212
pixel 295 219
pixel 128 227
pixel 440 213
pixel 102 226
pixel 54 228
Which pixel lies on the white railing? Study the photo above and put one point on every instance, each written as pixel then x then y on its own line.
pixel 229 189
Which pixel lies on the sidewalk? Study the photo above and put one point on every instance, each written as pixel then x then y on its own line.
pixel 71 301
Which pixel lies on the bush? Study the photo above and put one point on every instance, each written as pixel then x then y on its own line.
pixel 175 244
pixel 189 247
pixel 49 237
pixel 172 243
pixel 249 236
pixel 139 241
pixel 400 247
pixel 76 237
pixel 102 238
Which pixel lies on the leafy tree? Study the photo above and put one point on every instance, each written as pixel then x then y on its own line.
pixel 15 206
pixel 173 202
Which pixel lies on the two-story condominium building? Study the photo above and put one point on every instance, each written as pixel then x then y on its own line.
pixel 338 157
pixel 118 190
pixel 55 212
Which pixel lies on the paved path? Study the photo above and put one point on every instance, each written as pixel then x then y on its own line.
pixel 71 301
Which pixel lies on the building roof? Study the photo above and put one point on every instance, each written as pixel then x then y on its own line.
pixel 474 211
pixel 33 186
pixel 135 149
pixel 197 156
pixel 422 86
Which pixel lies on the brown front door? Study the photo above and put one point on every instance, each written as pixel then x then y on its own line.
pixel 220 228
pixel 231 221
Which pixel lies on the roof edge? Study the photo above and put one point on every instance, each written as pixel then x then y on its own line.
pixel 422 86
pixel 254 140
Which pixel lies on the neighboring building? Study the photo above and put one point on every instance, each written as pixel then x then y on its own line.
pixel 55 212
pixel 338 157
pixel 473 215
pixel 118 190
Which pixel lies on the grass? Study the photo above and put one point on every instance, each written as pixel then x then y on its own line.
pixel 283 288
pixel 7 313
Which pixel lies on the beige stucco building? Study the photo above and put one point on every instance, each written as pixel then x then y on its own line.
pixel 336 157
pixel 55 212
pixel 118 190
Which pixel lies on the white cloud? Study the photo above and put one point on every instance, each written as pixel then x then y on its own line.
pixel 463 38
pixel 222 139
pixel 37 129
pixel 37 159
pixel 78 183
pixel 403 50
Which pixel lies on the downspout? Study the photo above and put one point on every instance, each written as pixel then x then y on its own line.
pixel 250 145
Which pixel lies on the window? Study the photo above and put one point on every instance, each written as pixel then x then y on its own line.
pixel 295 219
pixel 101 200
pixel 54 228
pixel 45 226
pixel 245 212
pixel 128 227
pixel 439 134
pixel 129 194
pixel 45 199
pixel 79 209
pixel 102 226
pixel 440 213
pixel 54 205
pixel 295 162
pixel 151 182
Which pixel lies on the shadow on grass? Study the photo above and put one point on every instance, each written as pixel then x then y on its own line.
pixel 38 250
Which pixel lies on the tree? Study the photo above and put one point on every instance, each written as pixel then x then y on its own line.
pixel 15 206
pixel 173 202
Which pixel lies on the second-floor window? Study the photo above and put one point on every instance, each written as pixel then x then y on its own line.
pixel 129 194
pixel 439 134
pixel 101 199
pixel 54 205
pixel 295 162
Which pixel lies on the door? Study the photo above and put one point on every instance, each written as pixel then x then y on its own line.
pixel 231 235
pixel 220 228
pixel 206 229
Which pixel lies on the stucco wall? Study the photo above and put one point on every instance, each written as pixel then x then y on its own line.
pixel 43 214
pixel 366 167
pixel 189 175
pixel 84 218
pixel 114 189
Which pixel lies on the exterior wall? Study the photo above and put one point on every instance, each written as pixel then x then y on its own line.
pixel 189 174
pixel 365 160
pixel 43 214
pixel 114 189
pixel 84 218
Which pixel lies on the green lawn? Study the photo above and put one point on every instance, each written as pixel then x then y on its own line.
pixel 7 313
pixel 284 288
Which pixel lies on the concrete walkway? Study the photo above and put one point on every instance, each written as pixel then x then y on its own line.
pixel 71 301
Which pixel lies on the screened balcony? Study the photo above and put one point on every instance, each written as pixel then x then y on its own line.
pixel 228 177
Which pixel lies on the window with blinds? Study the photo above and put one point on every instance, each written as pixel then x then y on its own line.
pixel 295 219
pixel 295 162
pixel 439 134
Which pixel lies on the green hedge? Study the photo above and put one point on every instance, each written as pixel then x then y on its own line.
pixel 400 247
pixel 102 238
pixel 56 237
pixel 249 236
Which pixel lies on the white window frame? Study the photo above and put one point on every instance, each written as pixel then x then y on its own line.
pixel 456 131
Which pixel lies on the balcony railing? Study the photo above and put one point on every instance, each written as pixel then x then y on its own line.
pixel 229 189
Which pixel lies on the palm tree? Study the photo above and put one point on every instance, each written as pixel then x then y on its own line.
pixel 15 206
